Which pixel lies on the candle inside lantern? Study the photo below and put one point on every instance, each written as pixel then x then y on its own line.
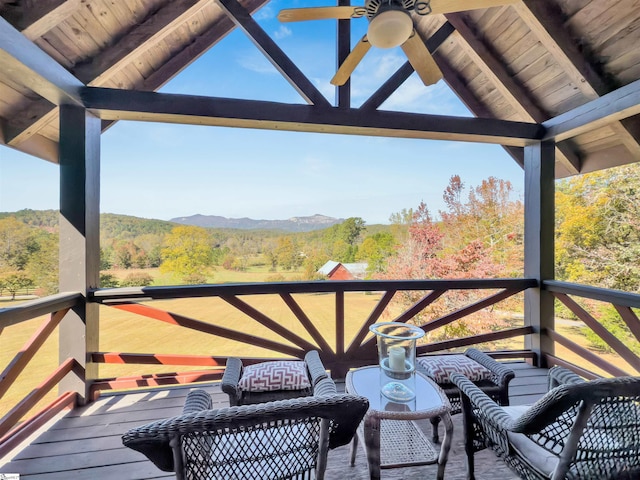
pixel 396 359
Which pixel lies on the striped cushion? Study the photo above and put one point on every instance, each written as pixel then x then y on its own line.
pixel 439 367
pixel 278 375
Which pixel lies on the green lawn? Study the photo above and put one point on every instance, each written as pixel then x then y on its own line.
pixel 254 273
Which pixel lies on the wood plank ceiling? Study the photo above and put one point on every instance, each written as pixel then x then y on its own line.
pixel 526 62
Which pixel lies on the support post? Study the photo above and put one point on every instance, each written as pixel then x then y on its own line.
pixel 539 219
pixel 79 241
pixel 343 43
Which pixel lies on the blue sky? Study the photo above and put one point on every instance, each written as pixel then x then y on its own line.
pixel 163 171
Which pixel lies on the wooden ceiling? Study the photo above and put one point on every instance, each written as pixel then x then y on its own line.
pixel 539 64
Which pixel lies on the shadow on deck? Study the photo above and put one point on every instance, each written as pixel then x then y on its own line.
pixel 86 442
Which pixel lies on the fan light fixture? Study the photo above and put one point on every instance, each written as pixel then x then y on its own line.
pixel 390 28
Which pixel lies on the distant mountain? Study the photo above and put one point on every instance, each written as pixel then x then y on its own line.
pixel 293 224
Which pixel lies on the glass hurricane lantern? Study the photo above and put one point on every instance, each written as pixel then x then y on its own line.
pixel 397 359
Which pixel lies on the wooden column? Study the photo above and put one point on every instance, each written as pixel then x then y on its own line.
pixel 343 44
pixel 79 239
pixel 539 218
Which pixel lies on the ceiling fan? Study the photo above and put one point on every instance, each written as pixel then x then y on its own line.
pixel 390 25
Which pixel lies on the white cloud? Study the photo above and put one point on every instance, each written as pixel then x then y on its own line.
pixel 256 62
pixel 265 13
pixel 282 32
pixel 411 94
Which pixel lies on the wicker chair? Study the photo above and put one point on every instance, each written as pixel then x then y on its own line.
pixel 283 439
pixel 233 372
pixel 496 386
pixel 578 430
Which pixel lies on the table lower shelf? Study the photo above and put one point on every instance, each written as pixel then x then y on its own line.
pixel 402 444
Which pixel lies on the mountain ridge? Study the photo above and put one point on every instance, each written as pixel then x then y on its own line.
pixel 293 224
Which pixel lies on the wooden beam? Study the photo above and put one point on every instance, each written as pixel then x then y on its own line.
pixel 143 37
pixel 273 52
pixel 460 87
pixel 405 71
pixel 487 61
pixel 539 213
pixel 35 308
pixel 114 296
pixel 35 22
pixel 616 297
pixel 79 240
pixel 612 107
pixel 115 104
pixel 544 19
pixel 23 62
pixel 38 146
pixel 19 133
pixel 343 47
pixel 25 128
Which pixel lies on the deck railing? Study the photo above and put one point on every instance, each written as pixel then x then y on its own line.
pixel 55 308
pixel 346 346
pixel 338 353
pixel 623 302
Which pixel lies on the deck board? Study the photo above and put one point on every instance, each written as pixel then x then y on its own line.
pixel 86 443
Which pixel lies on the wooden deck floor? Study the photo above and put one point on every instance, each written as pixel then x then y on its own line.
pixel 85 443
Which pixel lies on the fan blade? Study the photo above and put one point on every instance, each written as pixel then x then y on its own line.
pixel 351 62
pixel 319 13
pixel 450 6
pixel 421 60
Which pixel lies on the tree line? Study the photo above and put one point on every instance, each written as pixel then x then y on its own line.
pixel 478 233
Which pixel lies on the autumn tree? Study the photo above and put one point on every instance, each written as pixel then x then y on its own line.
pixel 430 253
pixel 598 228
pixel 489 214
pixel 400 222
pixel 186 251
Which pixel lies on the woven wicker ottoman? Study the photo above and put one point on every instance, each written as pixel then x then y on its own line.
pixel 275 380
pixel 490 376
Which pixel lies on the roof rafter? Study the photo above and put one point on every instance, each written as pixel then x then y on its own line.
pixel 116 104
pixel 35 22
pixel 544 20
pixel 274 53
pixel 142 37
pixel 51 13
pixel 108 63
pixel 510 90
pixel 152 31
pixel 466 96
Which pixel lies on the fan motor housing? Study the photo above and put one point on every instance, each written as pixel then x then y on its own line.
pixel 372 7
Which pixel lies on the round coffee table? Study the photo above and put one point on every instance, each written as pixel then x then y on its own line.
pixel 391 438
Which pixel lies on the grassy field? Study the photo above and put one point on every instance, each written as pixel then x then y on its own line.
pixel 124 332
pixel 254 273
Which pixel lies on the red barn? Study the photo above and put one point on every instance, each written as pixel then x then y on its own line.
pixel 343 271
